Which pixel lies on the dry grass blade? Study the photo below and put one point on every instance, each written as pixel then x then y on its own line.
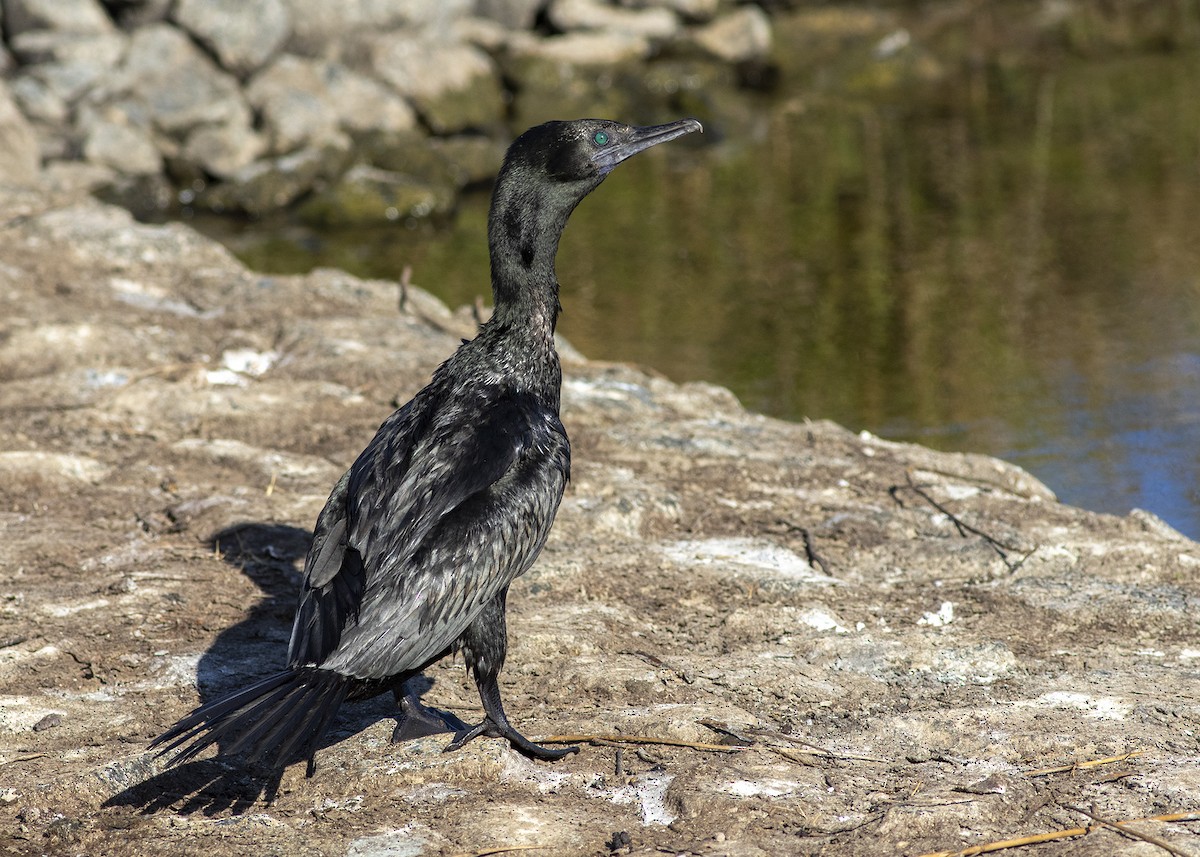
pixel 1091 763
pixel 1054 835
pixel 1122 826
pixel 500 849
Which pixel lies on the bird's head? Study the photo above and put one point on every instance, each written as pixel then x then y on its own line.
pixel 577 155
pixel 547 171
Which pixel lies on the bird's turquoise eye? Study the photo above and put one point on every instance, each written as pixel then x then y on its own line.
pixel 601 138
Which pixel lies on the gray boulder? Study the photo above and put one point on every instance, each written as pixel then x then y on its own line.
pixel 224 148
pixel 317 25
pixel 19 153
pixel 66 63
pixel 179 86
pixel 697 11
pixel 568 15
pixel 293 101
pixel 37 101
pixel 364 105
pixel 368 195
pixel 453 86
pixel 126 149
pixel 742 35
pixel 268 185
pixel 513 14
pixel 242 34
pixel 306 102
pixel 74 16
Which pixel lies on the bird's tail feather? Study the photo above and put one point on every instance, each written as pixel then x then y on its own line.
pixel 271 721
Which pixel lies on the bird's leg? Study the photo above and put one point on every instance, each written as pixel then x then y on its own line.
pixel 416 721
pixel 484 646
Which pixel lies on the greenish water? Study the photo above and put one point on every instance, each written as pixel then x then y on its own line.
pixel 1007 263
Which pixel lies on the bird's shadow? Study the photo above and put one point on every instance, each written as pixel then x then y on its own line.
pixel 254 648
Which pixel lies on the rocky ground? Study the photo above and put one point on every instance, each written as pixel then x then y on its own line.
pixel 796 639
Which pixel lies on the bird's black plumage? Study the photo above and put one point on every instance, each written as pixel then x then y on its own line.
pixel 414 552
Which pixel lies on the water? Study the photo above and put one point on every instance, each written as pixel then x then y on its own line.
pixel 1007 263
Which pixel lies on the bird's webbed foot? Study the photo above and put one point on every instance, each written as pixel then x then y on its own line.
pixel 489 728
pixel 417 721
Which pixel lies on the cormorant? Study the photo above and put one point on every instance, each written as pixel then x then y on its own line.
pixel 415 549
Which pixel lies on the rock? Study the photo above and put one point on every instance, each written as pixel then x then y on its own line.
pixel 69 64
pixel 20 158
pixel 363 105
pixel 595 49
pixel 131 14
pixel 366 195
pixel 223 149
pixel 269 185
pixel 453 86
pixel 571 75
pixel 740 36
pixel 293 101
pixel 179 86
pixel 125 149
pixel 38 101
pixel 242 34
pixel 318 24
pixel 512 14
pixel 695 11
pixel 451 161
pixel 568 15
pixel 74 16
pixel 306 102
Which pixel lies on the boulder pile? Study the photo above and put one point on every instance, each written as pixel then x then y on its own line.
pixel 369 109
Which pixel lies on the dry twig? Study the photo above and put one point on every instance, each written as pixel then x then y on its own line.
pixel 1055 835
pixel 1079 766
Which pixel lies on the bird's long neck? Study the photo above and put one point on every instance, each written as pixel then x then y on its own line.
pixel 524 226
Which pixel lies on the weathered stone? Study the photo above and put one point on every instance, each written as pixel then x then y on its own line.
pixel 224 148
pixel 697 11
pixel 242 34
pixel 364 105
pixel 269 185
pixel 75 16
pixel 742 35
pixel 568 15
pixel 131 14
pixel 570 75
pixel 316 24
pixel 595 49
pixel 38 101
pixel 19 152
pixel 484 33
pixel 367 195
pixel 291 97
pixel 125 149
pixel 513 14
pixel 453 86
pixel 452 161
pixel 68 63
pixel 180 86
pixel 310 102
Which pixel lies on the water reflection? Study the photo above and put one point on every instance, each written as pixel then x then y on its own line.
pixel 1007 263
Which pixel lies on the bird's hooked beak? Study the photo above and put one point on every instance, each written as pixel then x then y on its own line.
pixel 640 140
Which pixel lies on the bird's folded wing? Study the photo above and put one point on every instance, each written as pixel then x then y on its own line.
pixel 377 545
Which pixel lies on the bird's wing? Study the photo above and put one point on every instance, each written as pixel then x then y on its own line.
pixel 438 512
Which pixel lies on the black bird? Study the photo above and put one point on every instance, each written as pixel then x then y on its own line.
pixel 414 552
